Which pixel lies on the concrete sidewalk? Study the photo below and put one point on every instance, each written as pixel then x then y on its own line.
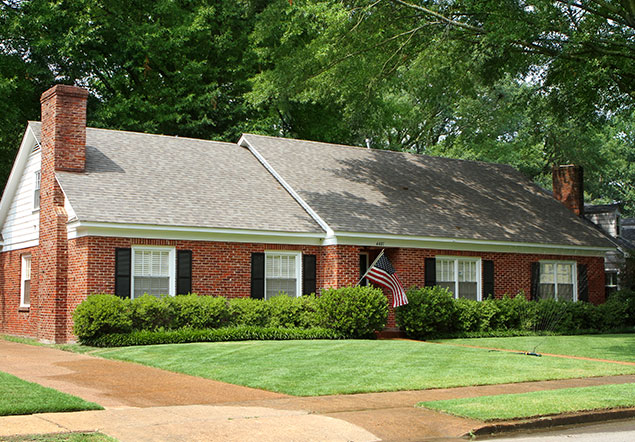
pixel 144 403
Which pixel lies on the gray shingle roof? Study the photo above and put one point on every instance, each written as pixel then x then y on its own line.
pixel 372 191
pixel 161 180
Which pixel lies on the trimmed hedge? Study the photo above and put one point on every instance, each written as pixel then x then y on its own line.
pixel 349 311
pixel 185 335
pixel 433 312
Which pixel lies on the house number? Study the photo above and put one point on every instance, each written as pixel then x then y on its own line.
pixel 379 243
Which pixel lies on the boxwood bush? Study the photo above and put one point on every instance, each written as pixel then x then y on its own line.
pixel 356 312
pixel 430 311
pixel 102 314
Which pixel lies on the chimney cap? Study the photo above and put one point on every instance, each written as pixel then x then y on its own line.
pixel 64 89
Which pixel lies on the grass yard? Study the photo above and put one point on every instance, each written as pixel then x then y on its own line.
pixel 614 347
pixel 308 368
pixel 22 397
pixel 538 403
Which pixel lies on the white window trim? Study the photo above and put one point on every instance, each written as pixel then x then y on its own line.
pixel 22 278
pixel 298 269
pixel 37 188
pixel 575 276
pixel 172 263
pixel 479 276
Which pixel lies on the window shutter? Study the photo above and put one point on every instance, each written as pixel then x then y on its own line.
pixel 308 274
pixel 583 283
pixel 535 280
pixel 123 262
pixel 430 272
pixel 183 272
pixel 488 278
pixel 258 275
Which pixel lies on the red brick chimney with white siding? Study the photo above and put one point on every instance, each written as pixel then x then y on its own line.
pixel 63 148
pixel 568 187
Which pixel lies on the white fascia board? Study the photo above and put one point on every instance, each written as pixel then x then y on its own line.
pixel 318 219
pixel 78 229
pixel 70 212
pixel 20 245
pixel 472 245
pixel 26 147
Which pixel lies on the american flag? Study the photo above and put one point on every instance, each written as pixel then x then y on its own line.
pixel 383 273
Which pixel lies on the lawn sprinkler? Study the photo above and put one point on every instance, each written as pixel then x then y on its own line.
pixel 532 353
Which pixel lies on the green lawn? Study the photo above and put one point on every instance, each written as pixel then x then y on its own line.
pixel 21 397
pixel 538 403
pixel 614 347
pixel 307 368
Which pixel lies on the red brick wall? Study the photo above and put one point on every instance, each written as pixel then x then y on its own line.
pixel 13 319
pixel 568 187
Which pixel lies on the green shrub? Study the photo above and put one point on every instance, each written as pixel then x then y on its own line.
pixel 354 311
pixel 101 314
pixel 513 312
pixel 198 311
pixel 430 311
pixel 284 311
pixel 184 335
pixel 248 311
pixel 150 313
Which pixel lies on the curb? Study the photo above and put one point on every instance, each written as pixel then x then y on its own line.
pixel 552 421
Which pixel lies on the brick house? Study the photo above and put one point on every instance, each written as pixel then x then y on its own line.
pixel 101 211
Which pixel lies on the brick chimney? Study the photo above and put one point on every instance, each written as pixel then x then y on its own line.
pixel 568 187
pixel 63 149
pixel 64 126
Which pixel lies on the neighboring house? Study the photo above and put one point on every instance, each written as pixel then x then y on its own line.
pixel 621 231
pixel 102 211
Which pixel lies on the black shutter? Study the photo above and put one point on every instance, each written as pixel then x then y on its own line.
pixel 363 266
pixel 308 274
pixel 123 262
pixel 535 280
pixel 583 283
pixel 488 278
pixel 183 272
pixel 258 275
pixel 430 271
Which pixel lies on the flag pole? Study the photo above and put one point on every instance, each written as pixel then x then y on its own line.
pixel 370 267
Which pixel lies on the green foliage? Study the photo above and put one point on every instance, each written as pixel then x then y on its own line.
pixel 101 314
pixel 292 312
pixel 430 311
pixel 197 311
pixel 185 335
pixel 353 311
pixel 248 311
pixel 150 313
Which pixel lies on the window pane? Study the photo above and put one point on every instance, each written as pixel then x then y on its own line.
pixel 448 285
pixel 546 273
pixel 546 291
pixel 152 263
pixel 277 285
pixel 565 292
pixel 27 293
pixel 151 285
pixel 565 273
pixel 467 290
pixel 445 270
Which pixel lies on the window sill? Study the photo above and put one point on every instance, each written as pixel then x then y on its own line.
pixel 36 210
pixel 24 309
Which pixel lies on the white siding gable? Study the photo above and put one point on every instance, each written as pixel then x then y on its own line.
pixel 21 226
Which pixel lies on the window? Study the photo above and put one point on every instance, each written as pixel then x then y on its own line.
pixel 461 276
pixel 557 281
pixel 36 192
pixel 282 274
pixel 610 282
pixel 153 271
pixel 25 281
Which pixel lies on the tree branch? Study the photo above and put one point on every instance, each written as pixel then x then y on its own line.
pixel 442 17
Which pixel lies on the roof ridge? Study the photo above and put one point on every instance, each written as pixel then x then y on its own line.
pixel 412 154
